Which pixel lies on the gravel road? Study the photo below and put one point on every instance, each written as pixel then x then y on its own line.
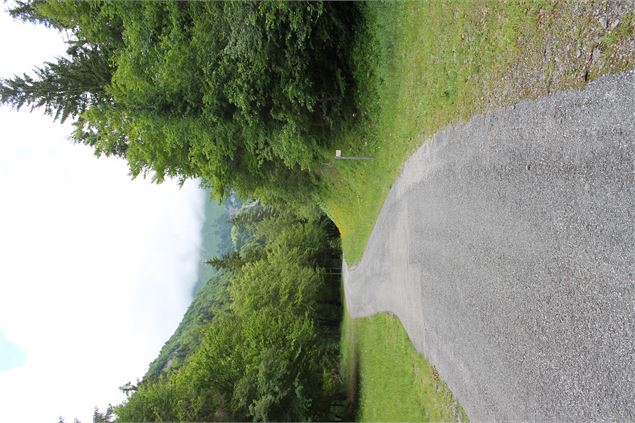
pixel 507 249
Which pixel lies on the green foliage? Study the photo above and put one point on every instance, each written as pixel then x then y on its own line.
pixel 64 88
pixel 208 293
pixel 107 416
pixel 187 337
pixel 396 382
pixel 168 399
pixel 242 94
pixel 269 350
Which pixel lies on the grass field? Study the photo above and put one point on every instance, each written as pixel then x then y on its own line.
pixel 397 383
pixel 421 66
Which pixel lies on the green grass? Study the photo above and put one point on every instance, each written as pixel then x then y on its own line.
pixel 421 66
pixel 349 368
pixel 397 383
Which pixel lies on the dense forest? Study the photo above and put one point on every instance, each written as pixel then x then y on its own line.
pixel 245 96
pixel 260 341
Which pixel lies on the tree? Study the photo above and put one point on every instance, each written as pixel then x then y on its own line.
pixel 127 388
pixel 270 354
pixel 107 416
pixel 65 88
pixel 245 95
pixel 229 261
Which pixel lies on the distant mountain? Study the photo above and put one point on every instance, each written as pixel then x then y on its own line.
pixel 187 336
pixel 216 237
pixel 216 241
pixel 219 237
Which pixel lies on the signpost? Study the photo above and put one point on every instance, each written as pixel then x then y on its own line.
pixel 338 155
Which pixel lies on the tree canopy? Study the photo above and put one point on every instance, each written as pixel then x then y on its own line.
pixel 270 351
pixel 242 94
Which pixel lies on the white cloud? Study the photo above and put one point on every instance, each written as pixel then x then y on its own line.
pixel 96 270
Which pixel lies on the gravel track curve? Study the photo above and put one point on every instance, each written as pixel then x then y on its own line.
pixel 507 249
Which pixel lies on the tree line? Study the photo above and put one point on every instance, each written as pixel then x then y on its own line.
pixel 270 353
pixel 244 95
pixel 247 97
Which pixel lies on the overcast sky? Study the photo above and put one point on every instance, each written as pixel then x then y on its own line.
pixel 95 270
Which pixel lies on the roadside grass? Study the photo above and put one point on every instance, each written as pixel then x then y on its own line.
pixel 398 384
pixel 423 65
pixel 349 363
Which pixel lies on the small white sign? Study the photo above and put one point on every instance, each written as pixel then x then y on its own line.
pixel 338 153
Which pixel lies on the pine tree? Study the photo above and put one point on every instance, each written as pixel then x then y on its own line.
pixel 63 88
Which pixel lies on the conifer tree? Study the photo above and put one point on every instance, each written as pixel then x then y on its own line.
pixel 65 88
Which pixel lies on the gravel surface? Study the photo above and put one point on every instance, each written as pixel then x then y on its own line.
pixel 507 249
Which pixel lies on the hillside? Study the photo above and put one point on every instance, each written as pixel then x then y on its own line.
pixel 187 335
pixel 216 239
pixel 210 283
pixel 260 340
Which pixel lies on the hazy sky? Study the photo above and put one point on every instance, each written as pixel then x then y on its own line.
pixel 95 270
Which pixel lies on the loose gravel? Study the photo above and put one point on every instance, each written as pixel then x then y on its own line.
pixel 507 249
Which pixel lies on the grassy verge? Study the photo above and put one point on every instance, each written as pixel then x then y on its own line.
pixel 423 65
pixel 398 384
pixel 349 365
